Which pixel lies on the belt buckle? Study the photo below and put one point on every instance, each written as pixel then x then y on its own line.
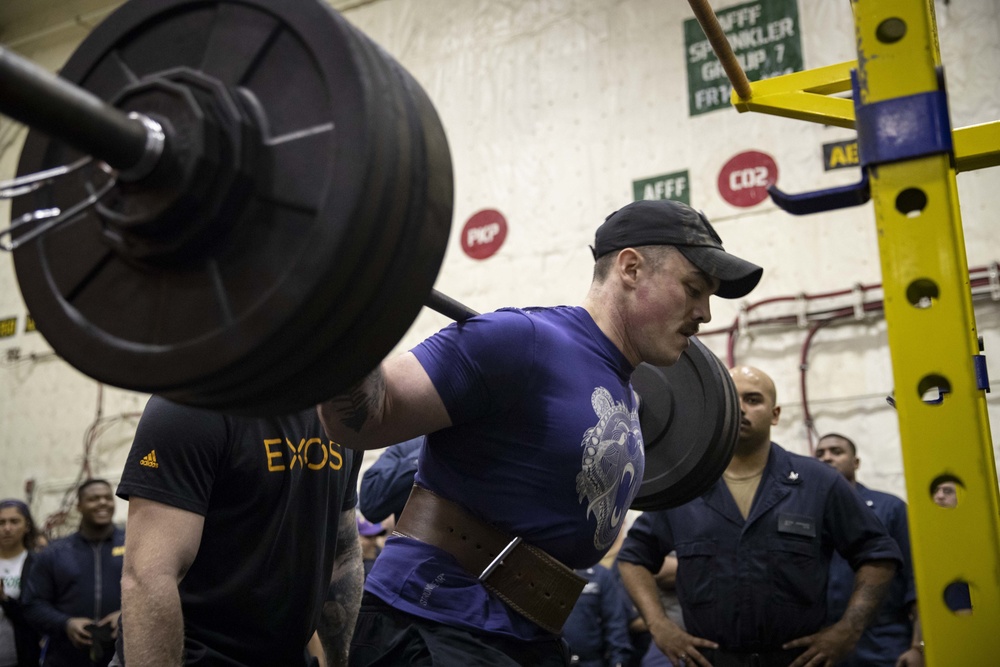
pixel 499 559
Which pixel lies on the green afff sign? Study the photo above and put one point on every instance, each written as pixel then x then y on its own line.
pixel 668 186
pixel 765 37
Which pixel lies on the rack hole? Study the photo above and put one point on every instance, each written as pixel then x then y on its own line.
pixel 947 491
pixel 933 388
pixel 922 292
pixel 891 30
pixel 957 597
pixel 911 202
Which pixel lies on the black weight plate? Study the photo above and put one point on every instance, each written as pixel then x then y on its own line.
pixel 418 192
pixel 300 242
pixel 690 422
pixel 281 375
pixel 170 331
pixel 421 244
pixel 425 188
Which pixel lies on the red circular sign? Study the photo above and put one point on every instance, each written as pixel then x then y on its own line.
pixel 744 179
pixel 483 234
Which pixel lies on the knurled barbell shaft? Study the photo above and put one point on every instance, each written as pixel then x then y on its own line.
pixel 43 101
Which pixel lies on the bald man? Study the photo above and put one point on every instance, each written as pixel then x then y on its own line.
pixel 753 554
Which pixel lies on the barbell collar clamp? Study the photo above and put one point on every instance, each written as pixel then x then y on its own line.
pixel 155 141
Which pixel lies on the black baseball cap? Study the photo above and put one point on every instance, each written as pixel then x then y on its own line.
pixel 668 222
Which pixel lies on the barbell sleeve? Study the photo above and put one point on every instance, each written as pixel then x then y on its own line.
pixel 64 111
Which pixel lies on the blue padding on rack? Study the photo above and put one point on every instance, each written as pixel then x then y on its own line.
pixel 982 376
pixel 903 128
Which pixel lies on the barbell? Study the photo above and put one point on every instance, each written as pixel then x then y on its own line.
pixel 217 242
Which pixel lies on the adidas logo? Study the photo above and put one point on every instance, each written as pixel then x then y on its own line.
pixel 149 460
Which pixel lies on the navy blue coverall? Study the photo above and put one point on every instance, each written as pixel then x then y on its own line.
pixel 386 485
pixel 754 584
pixel 597 628
pixel 891 633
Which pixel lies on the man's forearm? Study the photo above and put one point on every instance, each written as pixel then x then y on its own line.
pixel 641 587
pixel 340 612
pixel 871 583
pixel 152 622
pixel 917 640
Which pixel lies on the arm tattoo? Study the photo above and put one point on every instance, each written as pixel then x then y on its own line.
pixel 361 402
pixel 866 599
pixel 340 612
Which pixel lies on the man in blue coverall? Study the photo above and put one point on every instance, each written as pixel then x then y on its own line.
pixel 386 485
pixel 597 628
pixel 753 553
pixel 893 638
pixel 73 592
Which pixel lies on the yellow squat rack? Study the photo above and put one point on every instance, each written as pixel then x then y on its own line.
pixel 909 158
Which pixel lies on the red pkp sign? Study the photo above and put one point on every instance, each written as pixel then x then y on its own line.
pixel 483 234
pixel 744 179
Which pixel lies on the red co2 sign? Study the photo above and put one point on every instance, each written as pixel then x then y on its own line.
pixel 744 179
pixel 483 234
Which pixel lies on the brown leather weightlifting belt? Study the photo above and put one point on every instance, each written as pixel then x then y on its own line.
pixel 530 581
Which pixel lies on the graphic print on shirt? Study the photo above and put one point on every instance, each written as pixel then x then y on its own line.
pixel 612 465
pixel 10 574
pixel 310 454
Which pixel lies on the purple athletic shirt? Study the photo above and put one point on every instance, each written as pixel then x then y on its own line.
pixel 545 445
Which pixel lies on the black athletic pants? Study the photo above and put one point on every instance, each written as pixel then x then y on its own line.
pixel 385 636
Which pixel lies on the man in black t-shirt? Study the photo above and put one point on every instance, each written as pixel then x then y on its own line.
pixel 236 527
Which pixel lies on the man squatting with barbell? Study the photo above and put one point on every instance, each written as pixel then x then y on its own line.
pixel 534 436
